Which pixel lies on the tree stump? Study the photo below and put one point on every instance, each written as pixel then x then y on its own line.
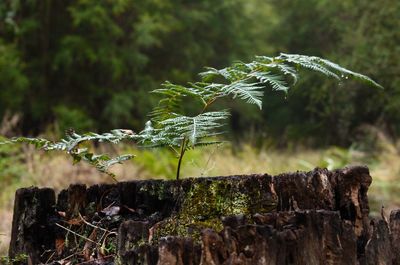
pixel 317 217
pixel 32 229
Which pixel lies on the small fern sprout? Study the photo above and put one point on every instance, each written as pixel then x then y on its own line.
pixel 245 81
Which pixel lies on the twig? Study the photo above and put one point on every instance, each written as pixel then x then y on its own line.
pixel 98 259
pixel 51 256
pixel 94 226
pixel 69 230
pixel 383 216
pixel 73 254
pixel 103 242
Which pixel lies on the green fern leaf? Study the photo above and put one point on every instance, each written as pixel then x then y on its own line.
pixel 250 92
pixel 325 67
pixel 39 143
pixel 72 142
pixel 276 81
pixel 172 131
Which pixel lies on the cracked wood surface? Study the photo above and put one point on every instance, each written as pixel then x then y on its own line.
pixel 316 217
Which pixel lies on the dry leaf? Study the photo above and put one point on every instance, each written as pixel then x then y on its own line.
pixel 111 210
pixel 129 209
pixel 62 214
pixel 152 230
pixel 87 249
pixel 151 235
pixel 60 243
pixel 75 221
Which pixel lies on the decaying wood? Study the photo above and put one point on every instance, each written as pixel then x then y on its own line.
pixel 394 226
pixel 318 217
pixel 33 228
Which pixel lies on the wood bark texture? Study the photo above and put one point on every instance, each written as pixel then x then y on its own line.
pixel 301 218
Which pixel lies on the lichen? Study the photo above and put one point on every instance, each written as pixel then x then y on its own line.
pixel 156 189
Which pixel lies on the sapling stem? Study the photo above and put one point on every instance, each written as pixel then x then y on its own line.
pixel 183 143
pixel 182 153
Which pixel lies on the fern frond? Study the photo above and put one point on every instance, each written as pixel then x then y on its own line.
pixel 346 73
pixel 250 92
pixel 236 72
pixel 285 69
pixel 309 62
pixel 173 95
pixel 151 137
pixel 172 131
pixel 72 142
pixel 205 143
pixel 210 74
pixel 207 91
pixel 276 81
pixel 39 143
pixel 325 67
pixel 101 162
pixel 193 128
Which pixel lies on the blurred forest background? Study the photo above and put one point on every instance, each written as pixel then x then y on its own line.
pixel 90 64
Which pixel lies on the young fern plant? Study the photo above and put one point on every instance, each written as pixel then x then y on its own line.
pixel 170 127
pixel 245 81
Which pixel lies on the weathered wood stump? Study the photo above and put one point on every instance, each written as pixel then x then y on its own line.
pixel 31 227
pixel 319 217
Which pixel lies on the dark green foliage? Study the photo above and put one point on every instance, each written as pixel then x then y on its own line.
pixel 100 59
pixel 20 258
pixel 13 82
pixel 68 117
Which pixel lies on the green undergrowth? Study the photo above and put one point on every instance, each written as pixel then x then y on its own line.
pixel 20 258
pixel 13 170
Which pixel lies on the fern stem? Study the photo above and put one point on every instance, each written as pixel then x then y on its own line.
pixel 211 101
pixel 205 107
pixel 182 153
pixel 114 178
